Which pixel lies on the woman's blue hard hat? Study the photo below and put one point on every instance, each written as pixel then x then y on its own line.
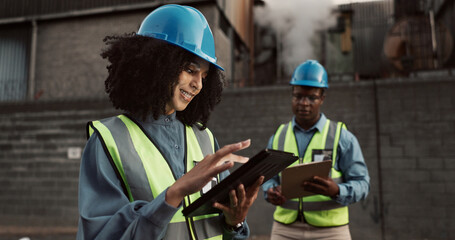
pixel 183 26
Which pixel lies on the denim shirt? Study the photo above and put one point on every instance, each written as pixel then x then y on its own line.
pixel 106 212
pixel 350 161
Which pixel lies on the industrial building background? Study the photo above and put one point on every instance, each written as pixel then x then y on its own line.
pixel 390 67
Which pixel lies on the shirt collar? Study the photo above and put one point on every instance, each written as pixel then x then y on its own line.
pixel 162 119
pixel 318 126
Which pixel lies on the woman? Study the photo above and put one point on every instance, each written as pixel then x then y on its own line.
pixel 139 169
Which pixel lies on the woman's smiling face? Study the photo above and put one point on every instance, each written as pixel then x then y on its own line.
pixel 188 86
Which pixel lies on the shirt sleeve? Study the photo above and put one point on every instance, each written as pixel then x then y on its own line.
pixel 356 180
pixel 106 212
pixel 272 182
pixel 241 234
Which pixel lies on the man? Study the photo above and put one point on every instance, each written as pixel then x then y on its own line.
pixel 311 136
pixel 141 168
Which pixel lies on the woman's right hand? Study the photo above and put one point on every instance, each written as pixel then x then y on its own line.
pixel 204 171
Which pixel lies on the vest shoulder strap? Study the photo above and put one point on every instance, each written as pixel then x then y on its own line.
pixel 111 151
pixel 280 136
pixel 204 138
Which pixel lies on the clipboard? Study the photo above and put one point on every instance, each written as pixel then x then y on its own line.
pixel 293 177
pixel 267 163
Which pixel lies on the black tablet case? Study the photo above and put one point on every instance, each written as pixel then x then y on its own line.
pixel 267 163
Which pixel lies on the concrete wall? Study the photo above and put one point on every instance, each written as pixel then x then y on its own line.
pixel 68 63
pixel 407 137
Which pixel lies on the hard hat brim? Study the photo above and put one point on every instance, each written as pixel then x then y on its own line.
pixel 309 84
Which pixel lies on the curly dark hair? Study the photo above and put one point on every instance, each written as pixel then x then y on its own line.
pixel 143 71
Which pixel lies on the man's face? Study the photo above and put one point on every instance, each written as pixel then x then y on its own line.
pixel 188 86
pixel 306 102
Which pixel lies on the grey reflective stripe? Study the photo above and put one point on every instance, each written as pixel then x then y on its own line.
pixel 331 135
pixel 312 206
pixel 293 205
pixel 203 139
pixel 205 228
pixel 177 230
pixel 209 227
pixel 330 139
pixel 132 163
pixel 319 206
pixel 282 137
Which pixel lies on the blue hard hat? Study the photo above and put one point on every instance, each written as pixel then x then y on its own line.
pixel 183 26
pixel 310 73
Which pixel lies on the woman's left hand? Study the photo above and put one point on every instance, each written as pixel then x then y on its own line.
pixel 240 202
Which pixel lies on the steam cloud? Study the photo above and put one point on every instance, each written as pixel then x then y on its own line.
pixel 295 22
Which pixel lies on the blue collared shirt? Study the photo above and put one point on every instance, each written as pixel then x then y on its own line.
pixel 350 161
pixel 106 212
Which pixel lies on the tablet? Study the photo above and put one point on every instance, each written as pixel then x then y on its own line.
pixel 267 163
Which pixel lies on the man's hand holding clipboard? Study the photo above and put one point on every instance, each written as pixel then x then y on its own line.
pixel 323 186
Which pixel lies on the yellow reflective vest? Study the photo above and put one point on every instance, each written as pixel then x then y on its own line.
pixel 145 173
pixel 318 210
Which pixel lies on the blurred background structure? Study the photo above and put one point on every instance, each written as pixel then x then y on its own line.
pixel 390 65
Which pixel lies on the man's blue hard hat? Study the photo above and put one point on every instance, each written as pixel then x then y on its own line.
pixel 310 73
pixel 183 26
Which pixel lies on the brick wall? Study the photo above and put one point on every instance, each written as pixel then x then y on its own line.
pixel 406 137
pixel 417 138
pixel 39 180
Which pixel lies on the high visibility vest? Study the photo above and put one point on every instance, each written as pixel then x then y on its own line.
pixel 144 172
pixel 318 210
